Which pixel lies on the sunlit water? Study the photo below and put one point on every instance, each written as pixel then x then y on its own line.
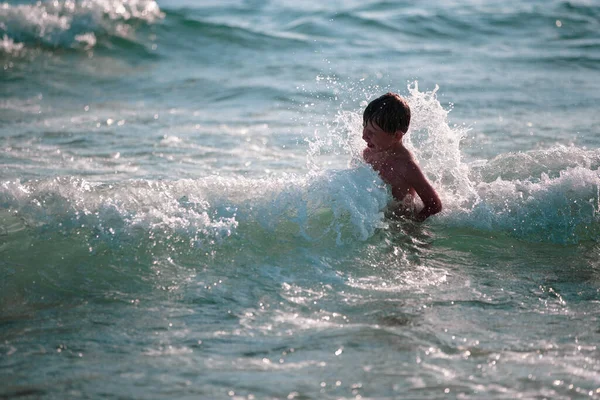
pixel 184 212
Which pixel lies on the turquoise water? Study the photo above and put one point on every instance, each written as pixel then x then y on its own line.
pixel 184 212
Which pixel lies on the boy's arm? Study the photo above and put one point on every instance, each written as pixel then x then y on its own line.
pixel 415 177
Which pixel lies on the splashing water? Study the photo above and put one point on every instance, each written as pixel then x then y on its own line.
pixel 167 232
pixel 326 207
pixel 540 195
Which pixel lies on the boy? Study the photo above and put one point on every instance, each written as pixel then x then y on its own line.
pixel 385 122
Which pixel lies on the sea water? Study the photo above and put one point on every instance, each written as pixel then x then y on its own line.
pixel 185 213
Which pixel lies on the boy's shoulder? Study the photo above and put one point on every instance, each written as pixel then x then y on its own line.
pixel 403 162
pixel 401 155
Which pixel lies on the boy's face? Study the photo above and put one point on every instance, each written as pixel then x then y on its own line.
pixel 378 139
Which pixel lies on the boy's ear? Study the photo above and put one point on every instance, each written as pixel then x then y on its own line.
pixel 398 134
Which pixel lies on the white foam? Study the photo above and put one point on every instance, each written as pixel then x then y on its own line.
pixel 8 45
pixel 411 277
pixel 320 207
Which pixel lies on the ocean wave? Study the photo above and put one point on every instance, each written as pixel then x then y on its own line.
pixel 137 235
pixel 535 164
pixel 323 207
pixel 67 237
pixel 71 24
pixel 564 209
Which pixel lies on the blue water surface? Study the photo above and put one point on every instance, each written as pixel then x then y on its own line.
pixel 185 213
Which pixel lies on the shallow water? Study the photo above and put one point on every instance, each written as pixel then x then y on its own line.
pixel 184 212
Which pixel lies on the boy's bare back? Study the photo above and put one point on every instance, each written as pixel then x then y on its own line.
pixel 393 166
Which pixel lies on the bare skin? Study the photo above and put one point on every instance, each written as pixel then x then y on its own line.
pixel 397 167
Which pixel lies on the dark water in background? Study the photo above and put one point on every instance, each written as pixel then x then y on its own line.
pixel 184 212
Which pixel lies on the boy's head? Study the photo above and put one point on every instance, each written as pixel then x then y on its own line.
pixel 390 112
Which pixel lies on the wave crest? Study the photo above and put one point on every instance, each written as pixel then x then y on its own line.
pixel 328 208
pixel 71 24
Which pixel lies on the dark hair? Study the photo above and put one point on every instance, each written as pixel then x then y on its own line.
pixel 390 111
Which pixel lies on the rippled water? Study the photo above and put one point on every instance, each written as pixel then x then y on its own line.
pixel 184 212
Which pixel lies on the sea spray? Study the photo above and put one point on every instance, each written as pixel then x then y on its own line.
pixel 538 195
pixel 326 207
pixel 436 146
